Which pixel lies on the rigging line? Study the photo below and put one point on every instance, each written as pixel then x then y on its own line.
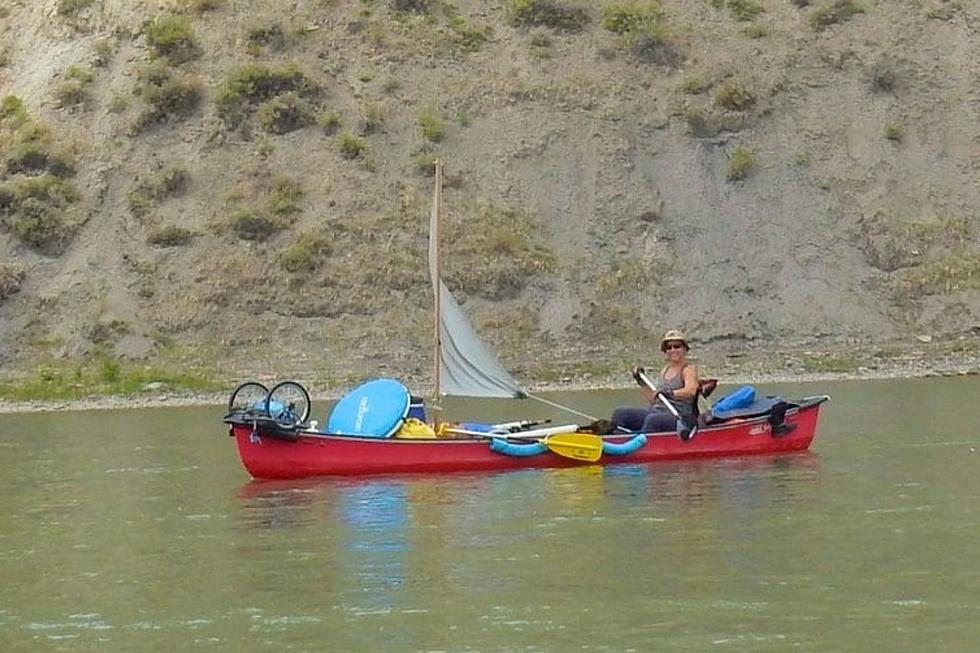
pixel 559 406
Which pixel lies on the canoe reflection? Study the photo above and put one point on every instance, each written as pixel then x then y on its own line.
pixel 389 503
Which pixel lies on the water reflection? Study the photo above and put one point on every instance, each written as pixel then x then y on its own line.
pixel 379 534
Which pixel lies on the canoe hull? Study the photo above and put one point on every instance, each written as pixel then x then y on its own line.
pixel 312 454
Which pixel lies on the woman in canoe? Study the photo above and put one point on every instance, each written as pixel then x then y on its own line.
pixel 677 383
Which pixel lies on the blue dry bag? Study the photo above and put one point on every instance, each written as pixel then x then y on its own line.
pixel 744 396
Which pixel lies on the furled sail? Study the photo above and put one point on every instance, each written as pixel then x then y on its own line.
pixel 467 367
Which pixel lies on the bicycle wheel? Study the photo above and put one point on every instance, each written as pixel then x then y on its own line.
pixel 249 395
pixel 289 403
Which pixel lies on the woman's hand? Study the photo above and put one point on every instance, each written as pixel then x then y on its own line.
pixel 636 372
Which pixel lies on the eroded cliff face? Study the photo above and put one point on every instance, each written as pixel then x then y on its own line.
pixel 246 185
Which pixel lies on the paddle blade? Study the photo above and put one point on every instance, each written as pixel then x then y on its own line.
pixel 578 446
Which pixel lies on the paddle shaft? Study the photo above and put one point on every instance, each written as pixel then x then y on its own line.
pixel 560 440
pixel 534 434
pixel 681 426
pixel 646 380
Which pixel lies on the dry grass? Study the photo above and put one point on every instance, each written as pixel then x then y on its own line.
pixel 733 95
pixel 838 11
pixel 11 278
pixel 154 189
pixel 496 253
pixel 556 14
pixel 170 236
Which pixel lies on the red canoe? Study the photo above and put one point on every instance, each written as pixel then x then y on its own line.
pixel 270 455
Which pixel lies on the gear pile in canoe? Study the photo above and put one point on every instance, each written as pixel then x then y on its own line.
pixel 380 428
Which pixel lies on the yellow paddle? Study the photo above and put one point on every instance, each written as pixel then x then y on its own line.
pixel 578 446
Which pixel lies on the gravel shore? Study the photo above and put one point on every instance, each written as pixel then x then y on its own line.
pixel 734 373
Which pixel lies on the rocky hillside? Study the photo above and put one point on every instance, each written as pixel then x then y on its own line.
pixel 244 185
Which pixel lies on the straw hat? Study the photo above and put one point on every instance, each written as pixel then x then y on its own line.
pixel 673 335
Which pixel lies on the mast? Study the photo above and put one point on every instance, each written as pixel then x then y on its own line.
pixel 437 285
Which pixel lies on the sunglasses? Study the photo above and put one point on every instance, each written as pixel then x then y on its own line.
pixel 669 347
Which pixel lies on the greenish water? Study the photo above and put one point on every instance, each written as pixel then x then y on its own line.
pixel 139 531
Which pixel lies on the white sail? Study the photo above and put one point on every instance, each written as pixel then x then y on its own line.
pixel 467 367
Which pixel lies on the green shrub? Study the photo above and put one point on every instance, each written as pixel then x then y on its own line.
pixel 744 10
pixel 165 97
pixel 350 145
pixel 894 133
pixel 283 198
pixel 249 224
pixel 13 114
pixel 884 75
pixel 547 13
pixel 270 206
pixel 249 85
pixel 707 123
pixel 83 75
pixel 149 192
pixel 734 96
pixel 285 113
pixel 306 254
pixel 412 6
pixel 198 6
pixel 72 7
pixel 103 49
pixel 740 163
pixel 72 90
pixel 269 36
pixel 373 118
pixel 40 227
pixel 32 158
pixel 171 36
pixel 170 236
pixel 425 160
pixel 10 280
pixel 70 93
pixel 46 188
pixel 329 121
pixel 838 11
pixel 635 21
pixel 110 369
pixel 541 43
pixel 432 124
pixel 695 85
pixel 468 37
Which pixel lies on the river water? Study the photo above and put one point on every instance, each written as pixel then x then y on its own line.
pixel 139 531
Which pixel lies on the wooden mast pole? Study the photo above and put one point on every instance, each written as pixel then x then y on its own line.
pixel 437 288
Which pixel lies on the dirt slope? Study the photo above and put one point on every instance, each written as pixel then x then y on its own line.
pixel 589 182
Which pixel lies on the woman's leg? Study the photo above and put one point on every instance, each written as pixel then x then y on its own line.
pixel 629 417
pixel 657 421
